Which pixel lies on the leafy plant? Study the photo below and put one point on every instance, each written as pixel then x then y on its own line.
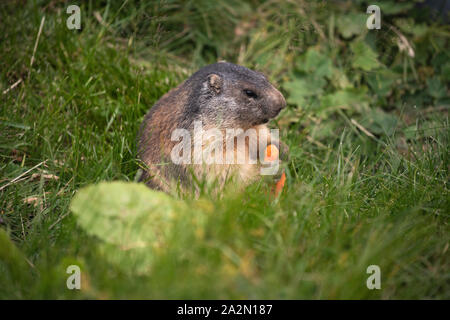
pixel 132 221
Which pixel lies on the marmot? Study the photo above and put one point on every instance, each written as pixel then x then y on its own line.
pixel 220 96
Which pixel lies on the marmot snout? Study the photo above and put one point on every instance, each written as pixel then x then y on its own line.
pixel 220 96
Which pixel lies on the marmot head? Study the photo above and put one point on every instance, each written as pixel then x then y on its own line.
pixel 231 96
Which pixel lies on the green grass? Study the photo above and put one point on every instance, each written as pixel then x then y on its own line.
pixel 352 199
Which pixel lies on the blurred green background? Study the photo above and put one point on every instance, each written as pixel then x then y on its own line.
pixel 366 123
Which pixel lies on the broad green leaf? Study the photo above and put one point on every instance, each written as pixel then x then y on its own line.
pixel 13 259
pixel 441 64
pixel 302 88
pixel 410 131
pixel 127 214
pixel 394 7
pixel 379 122
pixel 446 71
pixel 347 99
pixel 340 79
pixel 131 220
pixel 435 88
pixel 351 24
pixel 316 64
pixel 363 56
pixel 324 130
pixel 382 82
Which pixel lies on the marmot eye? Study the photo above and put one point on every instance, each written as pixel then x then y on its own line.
pixel 250 93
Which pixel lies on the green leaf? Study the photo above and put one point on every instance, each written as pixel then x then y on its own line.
pixel 410 131
pixel 435 88
pixel 127 214
pixel 346 99
pixel 351 24
pixel 391 7
pixel 316 64
pixel 302 88
pixel 379 122
pixel 363 56
pixel 13 259
pixel 409 26
pixel 382 82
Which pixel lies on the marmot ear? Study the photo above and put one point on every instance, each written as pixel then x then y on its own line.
pixel 215 82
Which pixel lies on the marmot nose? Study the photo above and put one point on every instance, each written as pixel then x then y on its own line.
pixel 277 100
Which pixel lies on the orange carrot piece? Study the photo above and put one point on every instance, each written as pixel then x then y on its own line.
pixel 280 184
